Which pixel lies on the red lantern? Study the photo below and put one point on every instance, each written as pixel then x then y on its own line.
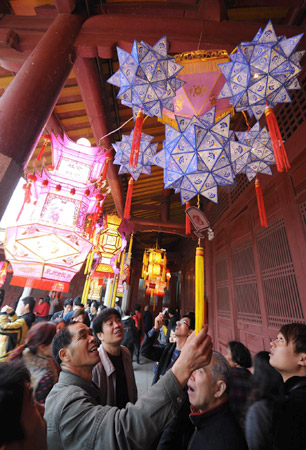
pixel 45 183
pixel 99 197
pixel 50 167
pixel 72 191
pixel 58 187
pixel 87 192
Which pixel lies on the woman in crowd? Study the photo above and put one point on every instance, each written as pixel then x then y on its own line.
pixel 266 387
pixel 79 315
pixel 36 355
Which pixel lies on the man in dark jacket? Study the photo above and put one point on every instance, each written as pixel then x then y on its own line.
pixel 166 355
pixel 13 328
pixel 215 425
pixel 147 319
pixel 288 357
pixel 67 308
pixel 129 332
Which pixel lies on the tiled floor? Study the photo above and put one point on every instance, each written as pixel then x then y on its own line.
pixel 143 374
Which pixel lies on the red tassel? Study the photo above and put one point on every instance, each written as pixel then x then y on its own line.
pixel 128 200
pixel 136 140
pixel 260 203
pixel 47 139
pixel 281 159
pixel 107 160
pixel 187 223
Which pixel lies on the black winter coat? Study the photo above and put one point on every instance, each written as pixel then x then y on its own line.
pixel 216 429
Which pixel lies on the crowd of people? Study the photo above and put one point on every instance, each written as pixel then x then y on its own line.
pixel 67 382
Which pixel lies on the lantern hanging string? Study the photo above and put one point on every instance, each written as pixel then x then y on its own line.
pixel 117 129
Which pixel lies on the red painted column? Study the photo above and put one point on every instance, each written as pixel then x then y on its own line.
pixel 28 102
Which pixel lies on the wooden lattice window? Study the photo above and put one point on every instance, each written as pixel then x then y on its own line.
pixel 291 115
pixel 241 183
pixel 302 208
pixel 280 288
pixel 218 210
pixel 222 287
pixel 246 292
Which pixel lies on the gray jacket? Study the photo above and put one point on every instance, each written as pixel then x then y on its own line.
pixel 104 375
pixel 75 420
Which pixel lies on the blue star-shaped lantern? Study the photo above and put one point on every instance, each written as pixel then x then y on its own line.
pixel 146 152
pixel 147 78
pixel 261 155
pixel 261 72
pixel 193 157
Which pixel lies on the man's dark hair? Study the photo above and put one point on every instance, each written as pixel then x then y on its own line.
pixel 29 301
pixel 296 333
pixel 171 311
pixel 61 340
pixel 95 304
pixel 137 307
pixel 240 354
pixel 78 301
pixel 103 317
pixel 191 317
pixel 13 377
pixel 68 302
pixel 88 302
pixel 126 312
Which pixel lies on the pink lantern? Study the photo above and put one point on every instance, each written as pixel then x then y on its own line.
pixel 203 83
pixel 50 243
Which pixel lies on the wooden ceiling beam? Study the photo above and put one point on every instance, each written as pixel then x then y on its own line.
pixel 100 34
pixel 87 78
pixel 156 225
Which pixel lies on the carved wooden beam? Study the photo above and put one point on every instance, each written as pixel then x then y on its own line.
pixel 156 225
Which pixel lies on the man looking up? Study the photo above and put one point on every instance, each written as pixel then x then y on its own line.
pixel 166 355
pixel 74 415
pixel 114 374
pixel 288 357
pixel 67 308
pixel 215 425
pixel 14 331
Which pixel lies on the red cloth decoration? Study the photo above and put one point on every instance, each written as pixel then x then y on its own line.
pixel 281 159
pixel 128 200
pixel 187 223
pixel 27 197
pixel 260 203
pixel 47 139
pixel 136 140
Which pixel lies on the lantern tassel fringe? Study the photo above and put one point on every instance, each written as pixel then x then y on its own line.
pixel 199 290
pixel 128 201
pixel 281 159
pixel 260 203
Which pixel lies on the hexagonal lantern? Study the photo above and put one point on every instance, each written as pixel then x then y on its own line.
pixel 50 243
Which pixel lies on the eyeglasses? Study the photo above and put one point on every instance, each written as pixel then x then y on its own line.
pixel 182 322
